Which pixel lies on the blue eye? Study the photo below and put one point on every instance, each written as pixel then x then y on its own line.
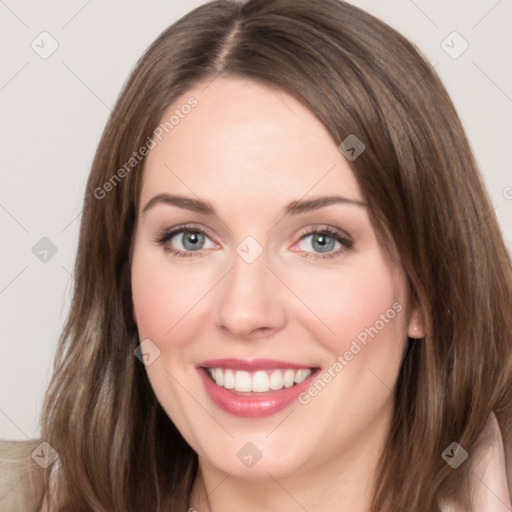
pixel 324 240
pixel 193 239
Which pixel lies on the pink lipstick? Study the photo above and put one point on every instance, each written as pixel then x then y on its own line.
pixel 254 388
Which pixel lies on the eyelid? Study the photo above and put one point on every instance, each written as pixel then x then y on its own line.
pixel 166 234
pixel 338 234
pixel 321 228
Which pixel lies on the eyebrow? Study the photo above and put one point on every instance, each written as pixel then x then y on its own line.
pixel 294 208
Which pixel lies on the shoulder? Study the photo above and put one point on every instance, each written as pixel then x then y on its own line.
pixel 21 477
pixel 489 475
pixel 490 483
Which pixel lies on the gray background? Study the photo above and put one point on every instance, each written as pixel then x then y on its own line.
pixel 53 111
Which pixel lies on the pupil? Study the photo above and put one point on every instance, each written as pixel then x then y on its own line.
pixel 322 244
pixel 192 240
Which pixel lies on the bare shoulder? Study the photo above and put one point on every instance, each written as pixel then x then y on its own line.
pixel 21 477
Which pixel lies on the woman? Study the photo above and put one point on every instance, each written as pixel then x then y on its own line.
pixel 342 337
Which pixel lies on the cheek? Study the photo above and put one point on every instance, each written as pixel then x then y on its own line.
pixel 162 295
pixel 362 301
pixel 153 301
pixel 363 331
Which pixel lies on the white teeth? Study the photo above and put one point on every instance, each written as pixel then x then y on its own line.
pixel 276 380
pixel 243 381
pixel 302 375
pixel 289 377
pixel 229 379
pixel 219 376
pixel 260 381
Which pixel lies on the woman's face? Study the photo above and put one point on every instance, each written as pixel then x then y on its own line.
pixel 272 348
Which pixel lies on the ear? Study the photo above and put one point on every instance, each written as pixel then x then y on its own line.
pixel 415 327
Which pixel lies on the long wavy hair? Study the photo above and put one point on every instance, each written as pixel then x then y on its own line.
pixel 118 450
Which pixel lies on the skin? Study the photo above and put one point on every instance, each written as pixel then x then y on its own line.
pixel 250 150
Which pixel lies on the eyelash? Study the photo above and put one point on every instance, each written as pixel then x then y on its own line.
pixel 165 235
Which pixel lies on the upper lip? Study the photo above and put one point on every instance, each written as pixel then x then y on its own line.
pixel 252 364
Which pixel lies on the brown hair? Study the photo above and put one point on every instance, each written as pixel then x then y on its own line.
pixel 117 448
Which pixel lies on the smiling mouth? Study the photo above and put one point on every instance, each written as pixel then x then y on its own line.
pixel 254 388
pixel 260 381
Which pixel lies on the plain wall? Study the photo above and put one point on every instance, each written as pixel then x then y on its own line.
pixel 53 111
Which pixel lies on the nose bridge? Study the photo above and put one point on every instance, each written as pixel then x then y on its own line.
pixel 249 267
pixel 249 298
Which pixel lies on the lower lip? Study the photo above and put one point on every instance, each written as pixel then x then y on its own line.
pixel 252 406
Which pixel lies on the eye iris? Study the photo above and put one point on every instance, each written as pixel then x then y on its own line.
pixel 195 239
pixel 322 243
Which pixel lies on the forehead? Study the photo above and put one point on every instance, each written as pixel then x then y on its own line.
pixel 246 144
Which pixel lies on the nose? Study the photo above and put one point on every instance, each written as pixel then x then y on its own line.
pixel 250 301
